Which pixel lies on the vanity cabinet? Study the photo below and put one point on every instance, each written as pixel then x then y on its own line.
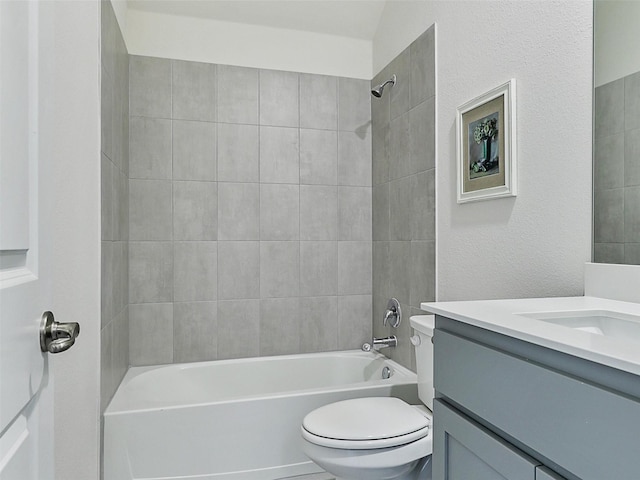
pixel 509 409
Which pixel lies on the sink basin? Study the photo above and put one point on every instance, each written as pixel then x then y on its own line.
pixel 600 322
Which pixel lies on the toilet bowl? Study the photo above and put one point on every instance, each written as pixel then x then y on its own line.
pixel 378 438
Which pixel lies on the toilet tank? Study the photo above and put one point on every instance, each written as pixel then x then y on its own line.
pixel 423 326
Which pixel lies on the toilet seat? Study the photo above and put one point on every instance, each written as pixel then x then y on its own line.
pixel 366 423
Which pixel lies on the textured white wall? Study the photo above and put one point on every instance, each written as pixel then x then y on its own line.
pixel 72 93
pixel 203 40
pixel 537 243
pixel 617 36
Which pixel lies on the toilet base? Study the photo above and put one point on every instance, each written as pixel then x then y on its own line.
pixel 422 471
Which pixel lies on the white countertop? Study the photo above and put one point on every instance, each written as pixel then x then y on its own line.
pixel 501 316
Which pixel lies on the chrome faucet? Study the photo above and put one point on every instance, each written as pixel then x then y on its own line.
pixel 393 315
pixel 378 343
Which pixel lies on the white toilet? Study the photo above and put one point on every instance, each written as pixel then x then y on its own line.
pixel 378 438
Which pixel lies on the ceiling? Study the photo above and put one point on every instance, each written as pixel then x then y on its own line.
pixel 357 19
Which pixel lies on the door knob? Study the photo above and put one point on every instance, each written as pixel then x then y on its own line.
pixel 56 337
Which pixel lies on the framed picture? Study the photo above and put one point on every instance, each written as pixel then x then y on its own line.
pixel 486 145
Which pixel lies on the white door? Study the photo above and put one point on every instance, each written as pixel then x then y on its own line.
pixel 26 426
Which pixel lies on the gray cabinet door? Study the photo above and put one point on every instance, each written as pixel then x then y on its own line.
pixel 543 473
pixel 464 450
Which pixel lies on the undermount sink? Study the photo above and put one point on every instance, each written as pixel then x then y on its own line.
pixel 600 322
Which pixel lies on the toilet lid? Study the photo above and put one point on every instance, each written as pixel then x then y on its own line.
pixel 367 419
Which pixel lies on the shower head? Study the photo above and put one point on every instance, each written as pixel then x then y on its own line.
pixel 377 91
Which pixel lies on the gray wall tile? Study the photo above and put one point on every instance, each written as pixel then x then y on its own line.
pixel 240 336
pixel 150 272
pixel 238 153
pixel 400 279
pixel 354 268
pixel 279 98
pixel 318 157
pixel 114 318
pixel 107 284
pixel 150 148
pixel 609 161
pixel 195 210
pixel 632 101
pixel 423 67
pixel 194 90
pixel 279 155
pixel 107 200
pixel 423 206
pixel 354 104
pixel 631 254
pixel 150 87
pixel 195 271
pixel 609 215
pixel 400 93
pixel 399 147
pixel 277 183
pixel 279 269
pixel 107 383
pixel 318 268
pixel 319 331
pixel 354 321
pixel 422 146
pixel 318 212
pixel 237 95
pixel 150 210
pixel 423 285
pixel 106 114
pixel 380 212
pixel 354 213
pixel 631 214
pixel 195 330
pixel 380 155
pixel 151 337
pixel 194 151
pixel 238 211
pixel 354 158
pixel 318 102
pixel 238 270
pixel 609 252
pixel 400 202
pixel 609 109
pixel 631 170
pixel 279 212
pixel 279 326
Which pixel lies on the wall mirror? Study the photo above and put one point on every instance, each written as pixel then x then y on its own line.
pixel 616 136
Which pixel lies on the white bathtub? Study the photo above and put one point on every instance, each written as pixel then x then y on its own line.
pixel 233 419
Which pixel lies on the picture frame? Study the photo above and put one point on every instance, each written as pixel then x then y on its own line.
pixel 486 145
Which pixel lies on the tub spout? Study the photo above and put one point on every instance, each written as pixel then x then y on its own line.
pixel 379 343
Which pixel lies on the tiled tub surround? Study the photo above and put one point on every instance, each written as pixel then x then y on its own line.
pixel 617 171
pixel 250 212
pixel 404 190
pixel 114 335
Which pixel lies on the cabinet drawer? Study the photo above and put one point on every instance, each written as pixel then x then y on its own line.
pixel 464 450
pixel 585 429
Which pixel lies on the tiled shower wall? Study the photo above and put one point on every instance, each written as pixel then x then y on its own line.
pixel 404 190
pixel 250 212
pixel 114 333
pixel 617 172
